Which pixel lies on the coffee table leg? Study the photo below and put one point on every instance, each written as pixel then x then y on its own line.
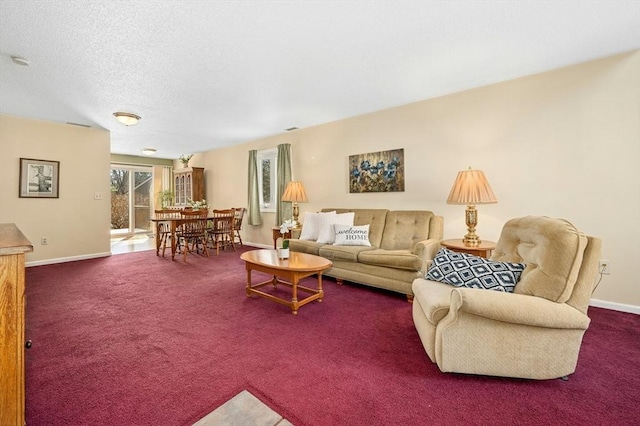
pixel 294 296
pixel 248 280
pixel 320 292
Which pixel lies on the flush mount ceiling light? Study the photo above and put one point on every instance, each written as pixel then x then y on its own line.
pixel 20 61
pixel 127 118
pixel 148 151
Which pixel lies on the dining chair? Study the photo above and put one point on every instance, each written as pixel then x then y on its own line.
pixel 192 232
pixel 163 232
pixel 221 232
pixel 237 223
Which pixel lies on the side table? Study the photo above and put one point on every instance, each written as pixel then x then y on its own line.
pixel 484 249
pixel 276 234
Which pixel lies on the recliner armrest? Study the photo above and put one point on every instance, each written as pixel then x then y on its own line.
pixel 517 309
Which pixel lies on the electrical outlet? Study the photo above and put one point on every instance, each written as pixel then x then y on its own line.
pixel 604 267
pixel 97 195
pixel 44 241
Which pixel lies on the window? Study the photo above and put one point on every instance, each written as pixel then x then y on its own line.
pixel 267 183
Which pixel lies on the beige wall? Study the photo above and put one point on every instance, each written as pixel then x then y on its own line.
pixel 565 143
pixel 76 225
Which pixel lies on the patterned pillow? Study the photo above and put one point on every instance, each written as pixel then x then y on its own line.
pixel 466 270
pixel 327 232
pixel 311 225
pixel 347 235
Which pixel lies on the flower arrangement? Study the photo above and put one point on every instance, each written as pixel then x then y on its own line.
pixel 184 159
pixel 285 228
pixel 198 205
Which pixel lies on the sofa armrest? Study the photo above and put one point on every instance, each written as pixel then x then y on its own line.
pixel 517 309
pixel 426 250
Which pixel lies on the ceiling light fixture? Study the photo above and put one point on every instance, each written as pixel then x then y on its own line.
pixel 127 118
pixel 148 151
pixel 20 61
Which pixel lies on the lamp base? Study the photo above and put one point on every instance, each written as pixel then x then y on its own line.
pixel 471 240
pixel 296 213
pixel 471 218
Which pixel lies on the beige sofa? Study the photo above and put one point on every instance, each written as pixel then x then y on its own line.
pixel 534 332
pixel 402 245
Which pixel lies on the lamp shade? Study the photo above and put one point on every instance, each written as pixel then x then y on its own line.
pixel 294 192
pixel 471 187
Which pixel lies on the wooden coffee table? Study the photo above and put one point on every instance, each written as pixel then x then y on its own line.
pixel 285 271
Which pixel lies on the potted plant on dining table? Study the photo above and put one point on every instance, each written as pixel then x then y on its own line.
pixel 198 205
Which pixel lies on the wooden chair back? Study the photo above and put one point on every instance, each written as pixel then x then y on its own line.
pixel 222 229
pixel 237 222
pixel 193 231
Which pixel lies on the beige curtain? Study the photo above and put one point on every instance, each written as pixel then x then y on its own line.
pixel 162 181
pixel 253 209
pixel 283 208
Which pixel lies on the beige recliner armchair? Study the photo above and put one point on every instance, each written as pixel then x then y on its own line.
pixel 534 332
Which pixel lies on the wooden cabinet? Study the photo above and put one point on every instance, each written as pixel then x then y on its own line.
pixel 188 184
pixel 13 246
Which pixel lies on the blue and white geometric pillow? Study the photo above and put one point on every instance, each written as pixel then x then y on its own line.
pixel 466 270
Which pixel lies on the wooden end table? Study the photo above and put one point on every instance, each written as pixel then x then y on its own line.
pixel 293 233
pixel 285 271
pixel 275 231
pixel 483 249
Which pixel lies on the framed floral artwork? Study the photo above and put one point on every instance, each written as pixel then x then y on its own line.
pixel 39 178
pixel 381 171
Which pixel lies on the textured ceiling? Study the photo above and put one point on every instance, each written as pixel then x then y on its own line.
pixel 206 74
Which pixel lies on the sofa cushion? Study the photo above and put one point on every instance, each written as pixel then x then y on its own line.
pixel 398 259
pixel 403 229
pixel 345 253
pixel 553 250
pixel 304 246
pixel 327 232
pixel 346 235
pixel 466 270
pixel 312 224
pixel 375 218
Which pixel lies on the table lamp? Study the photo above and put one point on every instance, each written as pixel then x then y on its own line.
pixel 295 194
pixel 471 187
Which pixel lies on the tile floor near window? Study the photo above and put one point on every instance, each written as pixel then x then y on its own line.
pixel 132 243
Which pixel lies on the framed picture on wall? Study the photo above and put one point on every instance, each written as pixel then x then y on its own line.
pixel 39 178
pixel 381 171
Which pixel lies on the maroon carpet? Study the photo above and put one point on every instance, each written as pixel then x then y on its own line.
pixel 137 339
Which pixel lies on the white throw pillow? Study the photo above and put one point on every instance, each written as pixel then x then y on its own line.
pixel 352 235
pixel 327 233
pixel 310 226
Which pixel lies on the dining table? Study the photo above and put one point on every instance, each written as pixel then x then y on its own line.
pixel 174 222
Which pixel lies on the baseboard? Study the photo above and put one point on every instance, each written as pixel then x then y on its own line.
pixel 632 309
pixel 256 245
pixel 66 259
pixel 594 302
